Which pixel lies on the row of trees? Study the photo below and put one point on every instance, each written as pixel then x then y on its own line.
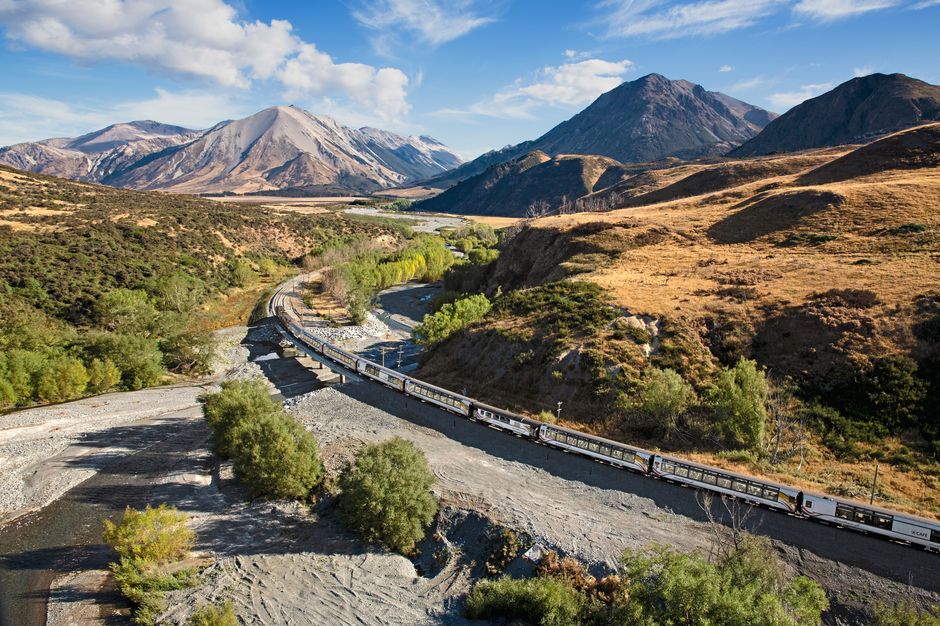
pixel 356 280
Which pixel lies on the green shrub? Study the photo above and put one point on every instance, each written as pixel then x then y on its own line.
pixel 63 378
pixel 242 274
pixel 273 455
pixel 745 586
pixel 103 375
pixel 139 358
pixel 451 318
pixel 482 256
pixel 221 614
pixel 189 352
pixel 127 311
pixel 540 601
pixel 547 417
pixel 906 615
pixel 738 398
pixel 888 392
pixel 154 535
pixel 386 494
pixel 662 397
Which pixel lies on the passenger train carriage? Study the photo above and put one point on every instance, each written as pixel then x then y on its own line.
pixel 729 483
pixel 441 397
pixel 844 513
pixel 596 447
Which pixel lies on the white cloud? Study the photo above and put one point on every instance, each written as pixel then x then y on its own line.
pixel 198 38
pixel 865 70
pixel 751 83
pixel 724 69
pixel 29 118
pixel 789 99
pixel 666 19
pixel 567 85
pixel 381 91
pixel 925 4
pixel 434 22
pixel 827 10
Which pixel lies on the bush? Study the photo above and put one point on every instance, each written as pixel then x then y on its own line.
pixel 888 392
pixel 103 375
pixel 127 311
pixel 273 455
pixel 662 397
pixel 189 352
pixel 541 601
pixel 451 318
pixel 738 399
pixel 139 358
pixel 482 256
pixel 547 417
pixel 386 494
pixel 154 535
pixel 63 378
pixel 221 614
pixel 906 615
pixel 745 586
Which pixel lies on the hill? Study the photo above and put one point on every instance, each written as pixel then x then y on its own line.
pixel 105 288
pixel 647 119
pixel 820 266
pixel 853 112
pixel 277 148
pixel 534 181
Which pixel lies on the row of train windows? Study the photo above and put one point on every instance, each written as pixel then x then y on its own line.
pixel 440 397
pixel 721 480
pixel 863 516
pixel 342 357
pixel 593 446
pixel 494 416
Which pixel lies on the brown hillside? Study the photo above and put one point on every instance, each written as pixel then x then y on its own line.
pixel 813 281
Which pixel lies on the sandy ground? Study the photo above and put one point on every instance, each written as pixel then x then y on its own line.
pixel 423 222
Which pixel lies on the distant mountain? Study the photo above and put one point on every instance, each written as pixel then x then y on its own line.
pixel 648 119
pixel 853 112
pixel 277 148
pixel 535 180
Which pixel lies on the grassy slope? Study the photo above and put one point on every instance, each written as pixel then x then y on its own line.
pixel 728 273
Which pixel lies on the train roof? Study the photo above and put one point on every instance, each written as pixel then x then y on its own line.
pixel 436 388
pixel 496 409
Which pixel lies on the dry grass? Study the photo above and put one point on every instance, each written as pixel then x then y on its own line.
pixel 761 251
pixel 495 222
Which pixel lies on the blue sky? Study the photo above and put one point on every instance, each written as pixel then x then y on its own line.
pixel 475 74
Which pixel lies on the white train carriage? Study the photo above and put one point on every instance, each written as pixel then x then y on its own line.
pixel 312 340
pixel 436 395
pixel 596 447
pixel 387 377
pixel 504 420
pixel 740 486
pixel 872 519
pixel 340 356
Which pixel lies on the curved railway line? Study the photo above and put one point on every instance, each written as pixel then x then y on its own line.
pixel 811 506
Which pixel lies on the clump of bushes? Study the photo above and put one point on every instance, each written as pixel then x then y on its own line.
pixel 150 545
pixel 386 494
pixel 661 399
pixel 451 318
pixel 657 585
pixel 272 454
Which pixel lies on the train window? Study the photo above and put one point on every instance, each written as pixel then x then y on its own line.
pixel 863 517
pixel 844 512
pixel 682 471
pixel 724 481
pixel 605 450
pixel 695 474
pixel 739 485
pixel 771 493
pixel 593 447
pixel 708 478
pixel 668 467
pixel 617 453
pixel 755 490
pixel 882 521
pixel 935 536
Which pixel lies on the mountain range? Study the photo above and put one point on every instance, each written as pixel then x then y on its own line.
pixel 275 149
pixel 648 119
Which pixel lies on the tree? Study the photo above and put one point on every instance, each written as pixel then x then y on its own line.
pixel 386 494
pixel 139 358
pixel 190 352
pixel 662 397
pixel 103 375
pixel 539 601
pixel 738 399
pixel 452 317
pixel 127 311
pixel 273 455
pixel 63 378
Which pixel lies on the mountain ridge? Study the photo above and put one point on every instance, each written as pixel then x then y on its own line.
pixel 275 148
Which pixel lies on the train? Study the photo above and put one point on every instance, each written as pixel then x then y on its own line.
pixel 839 512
